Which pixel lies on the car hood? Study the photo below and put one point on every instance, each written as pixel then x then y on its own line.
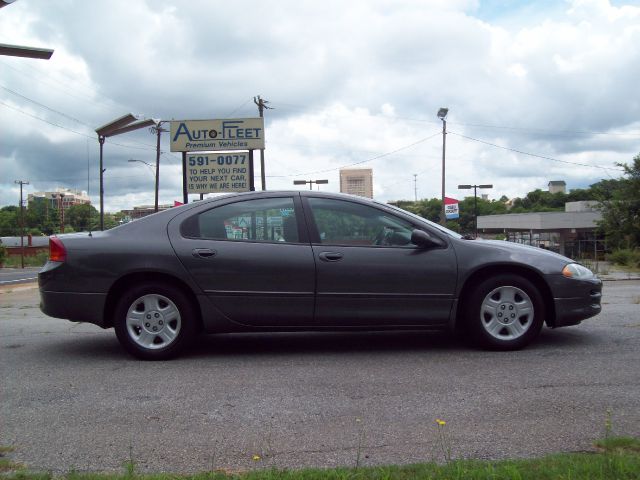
pixel 519 247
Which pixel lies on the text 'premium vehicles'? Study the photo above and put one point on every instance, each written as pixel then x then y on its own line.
pixel 278 261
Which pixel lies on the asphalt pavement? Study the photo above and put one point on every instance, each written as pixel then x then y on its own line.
pixel 72 399
pixel 13 276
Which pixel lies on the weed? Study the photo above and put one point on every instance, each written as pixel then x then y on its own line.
pixel 443 440
pixel 360 442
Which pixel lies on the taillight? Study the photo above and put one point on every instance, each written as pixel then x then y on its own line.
pixel 57 250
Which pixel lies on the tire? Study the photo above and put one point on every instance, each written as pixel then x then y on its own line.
pixel 155 321
pixel 504 312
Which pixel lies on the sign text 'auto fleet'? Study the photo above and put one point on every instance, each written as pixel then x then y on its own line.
pixel 218 172
pixel 216 135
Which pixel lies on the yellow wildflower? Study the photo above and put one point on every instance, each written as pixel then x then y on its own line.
pixel 256 457
pixel 441 423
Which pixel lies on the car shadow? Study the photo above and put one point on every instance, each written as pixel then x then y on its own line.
pixel 318 343
pixel 311 343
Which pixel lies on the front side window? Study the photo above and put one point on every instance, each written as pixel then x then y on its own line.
pixel 348 223
pixel 264 220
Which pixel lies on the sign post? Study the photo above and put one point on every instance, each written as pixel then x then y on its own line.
pixel 217 155
pixel 451 208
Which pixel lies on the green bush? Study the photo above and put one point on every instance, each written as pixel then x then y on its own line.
pixel 3 254
pixel 625 256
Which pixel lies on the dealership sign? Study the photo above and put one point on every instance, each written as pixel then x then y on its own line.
pixel 217 135
pixel 451 209
pixel 218 173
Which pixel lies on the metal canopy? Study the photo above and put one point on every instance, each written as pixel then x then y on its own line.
pixel 28 52
pixel 121 122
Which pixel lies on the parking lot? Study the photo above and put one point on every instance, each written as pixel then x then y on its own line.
pixel 71 398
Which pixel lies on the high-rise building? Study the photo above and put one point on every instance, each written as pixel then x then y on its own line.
pixel 61 198
pixel 557 186
pixel 357 181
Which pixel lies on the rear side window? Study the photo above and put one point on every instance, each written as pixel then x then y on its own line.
pixel 263 220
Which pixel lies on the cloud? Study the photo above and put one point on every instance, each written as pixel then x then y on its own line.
pixel 351 83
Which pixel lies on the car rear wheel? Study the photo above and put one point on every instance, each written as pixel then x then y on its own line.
pixel 155 321
pixel 504 312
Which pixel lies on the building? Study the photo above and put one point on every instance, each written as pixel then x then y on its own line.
pixel 62 198
pixel 556 186
pixel 572 233
pixel 357 181
pixel 143 211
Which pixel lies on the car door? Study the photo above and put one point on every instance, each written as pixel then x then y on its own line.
pixel 253 260
pixel 368 273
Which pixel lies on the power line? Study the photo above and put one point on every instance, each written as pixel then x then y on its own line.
pixel 548 132
pixel 362 161
pixel 40 78
pixel 238 108
pixel 44 106
pixel 479 125
pixel 46 121
pixel 149 147
pixel 533 154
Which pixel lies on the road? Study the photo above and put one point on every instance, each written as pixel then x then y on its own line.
pixel 72 399
pixel 13 276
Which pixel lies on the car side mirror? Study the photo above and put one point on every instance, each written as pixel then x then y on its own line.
pixel 425 240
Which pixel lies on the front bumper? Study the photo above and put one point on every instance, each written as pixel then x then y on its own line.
pixel 582 302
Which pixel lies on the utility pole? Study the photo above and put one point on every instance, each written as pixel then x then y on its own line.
pixel 21 183
pixel 157 129
pixel 61 212
pixel 262 104
pixel 415 186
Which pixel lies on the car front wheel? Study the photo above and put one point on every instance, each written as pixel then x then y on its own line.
pixel 505 312
pixel 155 321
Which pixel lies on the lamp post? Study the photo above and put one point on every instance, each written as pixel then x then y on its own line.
pixel 124 124
pixel 475 202
pixel 310 182
pixel 442 115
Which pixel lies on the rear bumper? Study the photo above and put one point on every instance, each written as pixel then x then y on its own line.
pixel 77 307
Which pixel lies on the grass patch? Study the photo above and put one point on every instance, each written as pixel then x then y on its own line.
pixel 619 444
pixel 617 458
pixel 7 465
pixel 37 260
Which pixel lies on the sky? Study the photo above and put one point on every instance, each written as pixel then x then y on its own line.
pixel 536 91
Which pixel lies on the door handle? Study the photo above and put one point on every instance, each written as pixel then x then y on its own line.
pixel 330 256
pixel 203 253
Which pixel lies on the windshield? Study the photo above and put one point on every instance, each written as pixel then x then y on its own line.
pixel 451 233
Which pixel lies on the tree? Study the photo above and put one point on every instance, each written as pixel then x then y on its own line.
pixel 620 206
pixel 9 221
pixel 81 217
pixel 40 217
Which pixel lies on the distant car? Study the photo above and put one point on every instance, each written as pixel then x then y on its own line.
pixel 291 261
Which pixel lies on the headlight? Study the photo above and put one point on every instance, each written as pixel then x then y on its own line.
pixel 575 270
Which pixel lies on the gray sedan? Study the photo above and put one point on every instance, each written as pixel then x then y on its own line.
pixel 286 261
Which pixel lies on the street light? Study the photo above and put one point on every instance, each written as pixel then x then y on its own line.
pixel 124 124
pixel 475 202
pixel 442 115
pixel 310 182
